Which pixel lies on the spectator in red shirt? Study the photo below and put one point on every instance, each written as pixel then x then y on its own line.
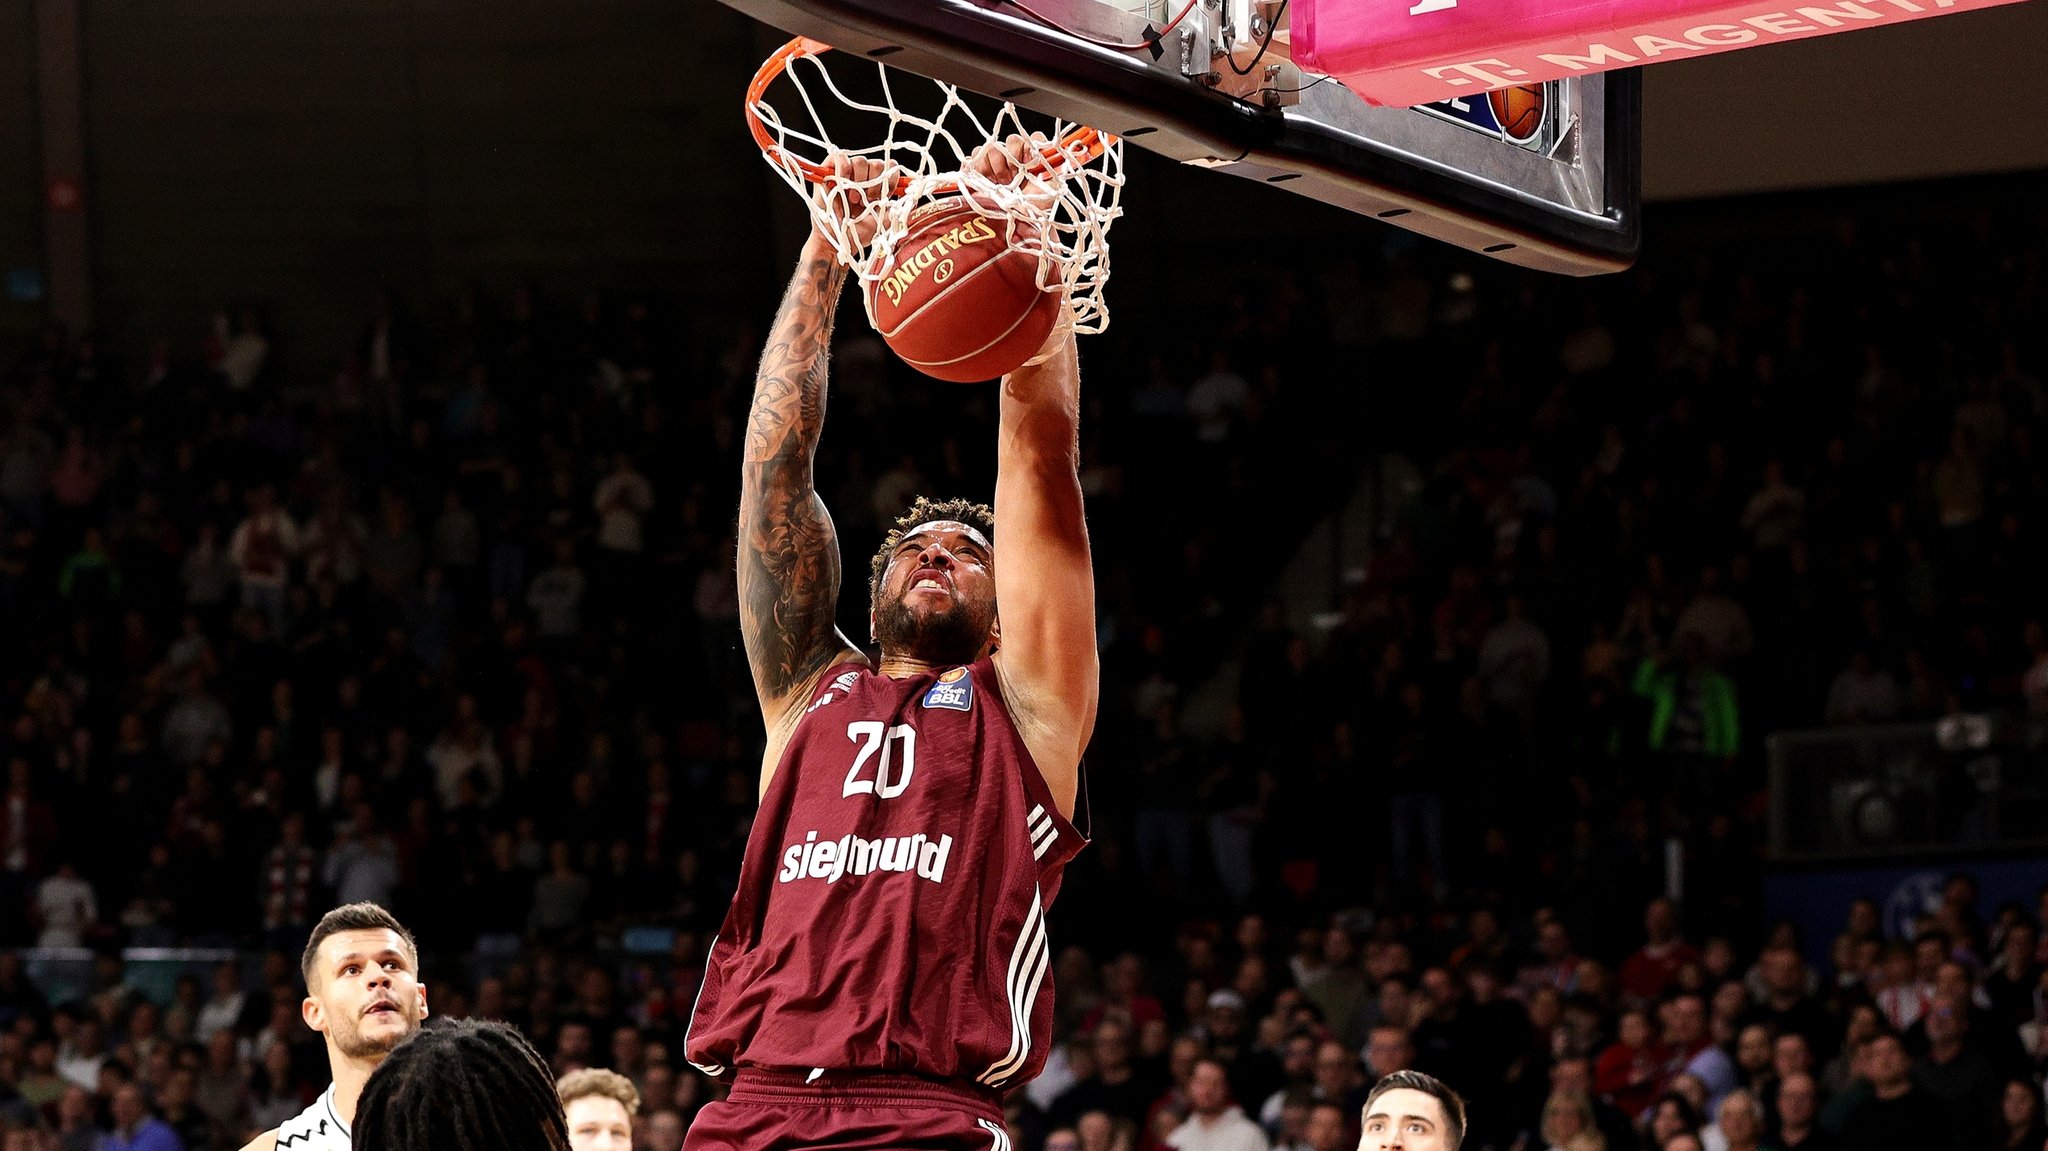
pixel 1556 965
pixel 1123 991
pixel 1630 1072
pixel 1653 969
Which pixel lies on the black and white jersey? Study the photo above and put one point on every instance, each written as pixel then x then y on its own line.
pixel 317 1128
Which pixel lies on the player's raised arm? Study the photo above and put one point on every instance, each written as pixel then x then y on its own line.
pixel 1045 580
pixel 788 551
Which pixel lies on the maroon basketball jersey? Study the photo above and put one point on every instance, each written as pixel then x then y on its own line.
pixel 891 907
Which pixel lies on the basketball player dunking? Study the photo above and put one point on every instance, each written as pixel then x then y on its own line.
pixel 881 979
pixel 364 996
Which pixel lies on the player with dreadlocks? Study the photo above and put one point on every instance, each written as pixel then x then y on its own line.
pixel 882 977
pixel 462 1086
pixel 364 996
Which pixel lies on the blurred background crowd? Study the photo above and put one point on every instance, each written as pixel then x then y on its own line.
pixel 450 624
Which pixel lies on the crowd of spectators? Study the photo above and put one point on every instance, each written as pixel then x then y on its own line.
pixel 451 625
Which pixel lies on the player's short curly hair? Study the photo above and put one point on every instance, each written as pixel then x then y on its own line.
pixel 924 510
pixel 599 1082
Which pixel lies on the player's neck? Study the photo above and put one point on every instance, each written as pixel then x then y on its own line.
pixel 349 1074
pixel 904 666
pixel 897 665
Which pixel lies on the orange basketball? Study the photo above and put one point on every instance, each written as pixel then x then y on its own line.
pixel 1519 110
pixel 956 300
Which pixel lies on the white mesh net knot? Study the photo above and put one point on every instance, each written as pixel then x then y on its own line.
pixel 929 136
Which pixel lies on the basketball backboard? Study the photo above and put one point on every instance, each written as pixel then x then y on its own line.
pixel 1544 176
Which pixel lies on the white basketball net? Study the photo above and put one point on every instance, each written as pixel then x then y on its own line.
pixel 1069 198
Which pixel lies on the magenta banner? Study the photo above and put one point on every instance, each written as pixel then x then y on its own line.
pixel 1407 52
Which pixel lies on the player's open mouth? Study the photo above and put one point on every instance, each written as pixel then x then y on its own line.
pixel 933 581
pixel 381 1007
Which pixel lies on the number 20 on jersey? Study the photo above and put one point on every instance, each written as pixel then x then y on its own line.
pixel 892 747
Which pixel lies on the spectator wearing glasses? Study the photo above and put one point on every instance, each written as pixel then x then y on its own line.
pixel 1798 1106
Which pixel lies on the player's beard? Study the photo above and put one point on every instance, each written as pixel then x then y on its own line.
pixel 350 1040
pixel 950 635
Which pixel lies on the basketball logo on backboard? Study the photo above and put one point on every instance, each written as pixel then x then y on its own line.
pixel 1519 111
pixel 1519 115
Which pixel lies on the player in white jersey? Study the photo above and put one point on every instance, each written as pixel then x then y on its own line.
pixel 363 994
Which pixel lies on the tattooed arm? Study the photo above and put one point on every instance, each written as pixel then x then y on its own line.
pixel 789 553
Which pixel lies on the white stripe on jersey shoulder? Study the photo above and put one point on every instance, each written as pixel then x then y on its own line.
pixel 998 1133
pixel 1028 962
pixel 712 1070
pixel 1043 841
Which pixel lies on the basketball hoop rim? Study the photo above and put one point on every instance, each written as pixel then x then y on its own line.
pixel 1079 146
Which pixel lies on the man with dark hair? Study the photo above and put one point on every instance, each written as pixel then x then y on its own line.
pixel 1298 1064
pixel 1410 1111
pixel 1254 1071
pixel 1985 1032
pixel 1788 1007
pixel 1443 1039
pixel 1573 1075
pixel 1798 1106
pixel 1329 1127
pixel 364 997
pixel 1120 1085
pixel 2015 974
pixel 1958 1076
pixel 1388 1048
pixel 1692 1047
pixel 1959 893
pixel 135 1129
pixel 886 949
pixel 462 1086
pixel 1338 1077
pixel 1214 1122
pixel 1653 968
pixel 1898 1115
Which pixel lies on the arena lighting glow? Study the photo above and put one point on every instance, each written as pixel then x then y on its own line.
pixel 1401 53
